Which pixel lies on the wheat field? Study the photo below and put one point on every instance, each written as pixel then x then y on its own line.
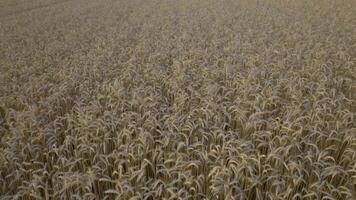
pixel 178 99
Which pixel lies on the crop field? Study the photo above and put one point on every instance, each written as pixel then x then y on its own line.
pixel 178 99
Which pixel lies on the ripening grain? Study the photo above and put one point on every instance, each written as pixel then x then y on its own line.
pixel 178 99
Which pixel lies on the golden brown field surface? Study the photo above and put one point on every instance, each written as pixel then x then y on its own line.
pixel 184 99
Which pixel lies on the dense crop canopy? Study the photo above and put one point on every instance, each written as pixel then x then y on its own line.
pixel 183 99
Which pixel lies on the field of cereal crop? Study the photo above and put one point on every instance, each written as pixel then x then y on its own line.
pixel 178 99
